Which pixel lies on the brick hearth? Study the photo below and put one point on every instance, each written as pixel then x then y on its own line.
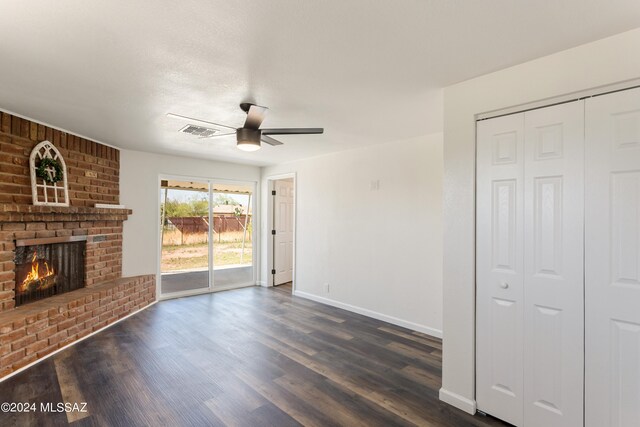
pixel 34 330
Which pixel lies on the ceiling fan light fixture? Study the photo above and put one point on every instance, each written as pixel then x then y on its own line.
pixel 248 145
pixel 248 139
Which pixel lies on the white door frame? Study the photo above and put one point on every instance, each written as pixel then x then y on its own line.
pixel 269 225
pixel 256 236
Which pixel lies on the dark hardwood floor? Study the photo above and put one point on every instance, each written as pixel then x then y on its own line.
pixel 248 357
pixel 287 288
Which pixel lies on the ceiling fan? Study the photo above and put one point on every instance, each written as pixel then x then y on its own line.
pixel 250 136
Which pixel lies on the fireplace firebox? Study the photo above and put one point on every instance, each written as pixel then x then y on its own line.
pixel 47 267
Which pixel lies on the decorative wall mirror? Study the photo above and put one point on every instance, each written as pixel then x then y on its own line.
pixel 48 176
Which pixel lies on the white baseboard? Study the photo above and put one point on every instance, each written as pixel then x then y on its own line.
pixel 370 313
pixel 6 377
pixel 460 402
pixel 262 283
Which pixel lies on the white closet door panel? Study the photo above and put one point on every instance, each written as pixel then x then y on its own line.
pixel 553 266
pixel 612 259
pixel 499 271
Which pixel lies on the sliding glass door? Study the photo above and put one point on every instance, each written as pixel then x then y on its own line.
pixel 184 212
pixel 233 234
pixel 206 234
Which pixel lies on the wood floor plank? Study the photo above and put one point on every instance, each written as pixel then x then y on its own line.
pixel 69 386
pixel 415 354
pixel 430 341
pixel 314 312
pixel 269 416
pixel 299 410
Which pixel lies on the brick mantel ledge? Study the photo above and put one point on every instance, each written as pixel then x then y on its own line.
pixel 33 330
pixel 33 213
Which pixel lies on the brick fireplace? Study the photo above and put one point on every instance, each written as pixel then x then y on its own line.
pixel 60 308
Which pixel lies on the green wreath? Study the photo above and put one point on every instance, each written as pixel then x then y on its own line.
pixel 43 170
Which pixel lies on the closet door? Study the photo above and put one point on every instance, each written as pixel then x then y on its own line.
pixel 499 269
pixel 613 260
pixel 553 266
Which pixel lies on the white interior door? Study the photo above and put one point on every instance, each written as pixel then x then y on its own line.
pixel 499 267
pixel 553 266
pixel 283 239
pixel 613 260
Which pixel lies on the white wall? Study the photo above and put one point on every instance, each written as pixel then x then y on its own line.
pixel 611 60
pixel 139 190
pixel 380 251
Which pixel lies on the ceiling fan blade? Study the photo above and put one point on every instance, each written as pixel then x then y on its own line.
pixel 255 116
pixel 270 140
pixel 292 131
pixel 217 135
pixel 196 121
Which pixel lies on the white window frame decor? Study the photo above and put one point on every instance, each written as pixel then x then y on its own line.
pixel 43 150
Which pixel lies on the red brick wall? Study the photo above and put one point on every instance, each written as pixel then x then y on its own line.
pixel 34 330
pixel 17 139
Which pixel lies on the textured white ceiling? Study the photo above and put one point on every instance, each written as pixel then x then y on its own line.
pixel 368 71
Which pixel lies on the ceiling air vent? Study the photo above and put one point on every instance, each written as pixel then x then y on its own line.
pixel 199 131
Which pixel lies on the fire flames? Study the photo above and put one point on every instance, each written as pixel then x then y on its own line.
pixel 38 278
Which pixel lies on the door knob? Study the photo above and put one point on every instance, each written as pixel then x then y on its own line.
pixel 504 285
